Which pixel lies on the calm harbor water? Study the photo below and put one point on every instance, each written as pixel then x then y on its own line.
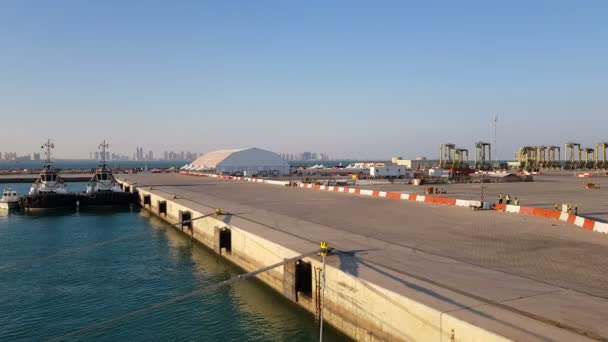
pixel 62 272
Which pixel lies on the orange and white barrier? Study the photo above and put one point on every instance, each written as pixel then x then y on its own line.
pixel 579 221
pixel 245 179
pixel 585 174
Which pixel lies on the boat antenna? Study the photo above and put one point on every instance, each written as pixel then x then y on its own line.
pixel 103 147
pixel 47 153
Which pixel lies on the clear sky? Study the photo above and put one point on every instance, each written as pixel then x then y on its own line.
pixel 352 78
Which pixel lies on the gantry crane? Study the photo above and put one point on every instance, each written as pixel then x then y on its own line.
pixel 527 157
pixel 446 155
pixel 541 156
pixel 461 159
pixel 588 163
pixel 601 164
pixel 569 160
pixel 554 156
pixel 481 162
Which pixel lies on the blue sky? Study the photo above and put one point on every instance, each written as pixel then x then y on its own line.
pixel 369 79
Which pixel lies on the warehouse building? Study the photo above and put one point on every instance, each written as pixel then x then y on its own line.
pixel 242 162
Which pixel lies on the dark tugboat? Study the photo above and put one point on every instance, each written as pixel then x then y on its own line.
pixel 49 190
pixel 103 189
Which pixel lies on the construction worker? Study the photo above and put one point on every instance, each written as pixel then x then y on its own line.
pixel 508 199
pixel 515 201
pixel 556 207
pixel 500 198
pixel 575 210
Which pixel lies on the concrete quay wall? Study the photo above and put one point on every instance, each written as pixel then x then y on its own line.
pixel 360 309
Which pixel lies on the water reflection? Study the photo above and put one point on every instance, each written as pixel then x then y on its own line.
pixel 269 314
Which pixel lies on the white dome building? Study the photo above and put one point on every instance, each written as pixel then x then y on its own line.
pixel 248 162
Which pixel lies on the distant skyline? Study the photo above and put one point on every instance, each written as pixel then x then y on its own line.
pixel 359 79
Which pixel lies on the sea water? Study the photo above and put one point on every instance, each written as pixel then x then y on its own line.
pixel 111 275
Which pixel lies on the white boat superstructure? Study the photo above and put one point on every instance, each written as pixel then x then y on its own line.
pixel 103 180
pixel 9 199
pixel 49 180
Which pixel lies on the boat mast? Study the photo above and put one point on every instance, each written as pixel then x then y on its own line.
pixel 47 153
pixel 103 147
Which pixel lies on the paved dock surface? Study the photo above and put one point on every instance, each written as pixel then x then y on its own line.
pixel 544 192
pixel 451 258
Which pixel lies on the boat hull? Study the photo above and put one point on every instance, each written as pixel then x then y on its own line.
pixel 78 200
pixel 9 205
pixel 50 201
pixel 106 199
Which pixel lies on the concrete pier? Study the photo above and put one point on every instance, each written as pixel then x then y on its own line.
pixel 403 271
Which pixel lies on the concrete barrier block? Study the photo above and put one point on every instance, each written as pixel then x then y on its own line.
pixel 601 227
pixel 589 224
pixel 571 218
pixel 429 199
pixel 366 192
pixel 512 209
pixel 500 207
pixel 276 182
pixel 462 203
pixel 452 201
pixel 475 204
pixel 526 210
pixel 553 214
pixel 393 195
